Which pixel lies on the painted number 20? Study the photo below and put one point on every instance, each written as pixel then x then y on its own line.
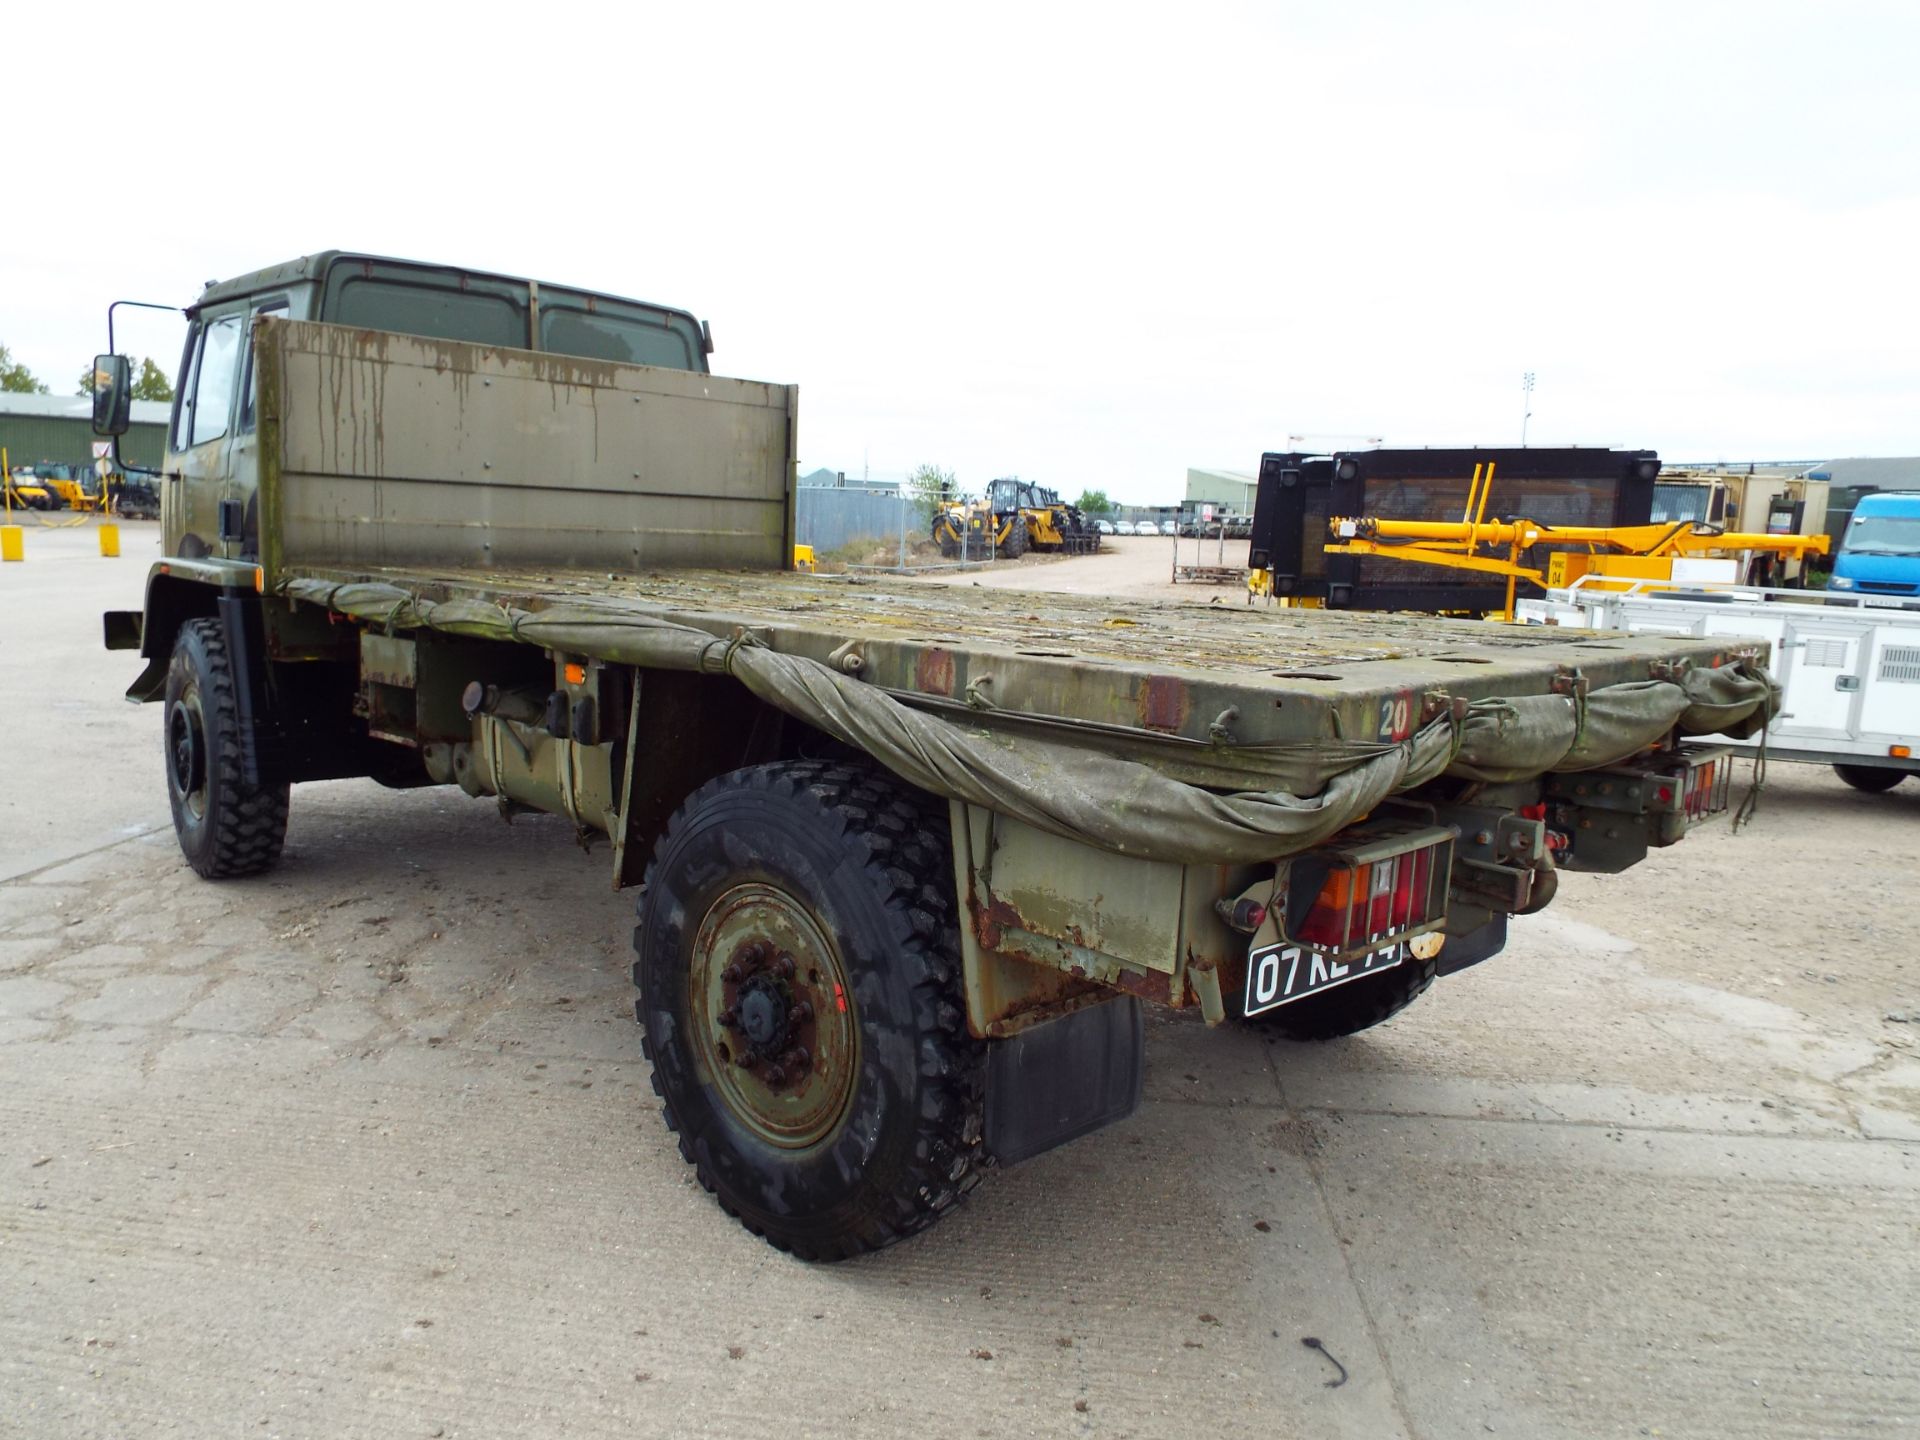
pixel 1396 717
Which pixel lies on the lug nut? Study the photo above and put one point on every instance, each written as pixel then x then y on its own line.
pixel 731 974
pixel 797 1058
pixel 783 967
pixel 775 1075
pixel 801 1012
pixel 730 1018
pixel 745 1060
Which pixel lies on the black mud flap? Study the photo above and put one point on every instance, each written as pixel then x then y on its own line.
pixel 1483 943
pixel 122 629
pixel 261 761
pixel 1064 1079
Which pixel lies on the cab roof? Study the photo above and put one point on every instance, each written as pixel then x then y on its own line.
pixel 313 268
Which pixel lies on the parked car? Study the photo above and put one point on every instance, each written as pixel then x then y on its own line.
pixel 1104 526
pixel 1169 527
pixel 1124 527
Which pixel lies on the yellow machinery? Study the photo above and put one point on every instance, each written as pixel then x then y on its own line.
pixel 71 491
pixel 1014 517
pixel 974 530
pixel 27 491
pixel 1614 557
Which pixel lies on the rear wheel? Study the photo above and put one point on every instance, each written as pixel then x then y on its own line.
pixel 226 826
pixel 1870 778
pixel 799 972
pixel 1350 1008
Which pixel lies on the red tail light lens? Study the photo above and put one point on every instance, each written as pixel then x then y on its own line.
pixel 1709 788
pixel 1375 890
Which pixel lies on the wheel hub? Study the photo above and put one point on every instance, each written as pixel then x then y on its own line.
pixel 762 1010
pixel 772 1016
pixel 186 753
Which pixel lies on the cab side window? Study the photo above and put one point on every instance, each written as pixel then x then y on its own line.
pixel 219 374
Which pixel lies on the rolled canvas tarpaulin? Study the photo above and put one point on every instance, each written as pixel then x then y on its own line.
pixel 1119 805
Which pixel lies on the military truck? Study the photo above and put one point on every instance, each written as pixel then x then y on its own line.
pixel 909 858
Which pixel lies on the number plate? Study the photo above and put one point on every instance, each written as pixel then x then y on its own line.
pixel 1281 974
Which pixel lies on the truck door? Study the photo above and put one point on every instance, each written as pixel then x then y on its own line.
pixel 195 481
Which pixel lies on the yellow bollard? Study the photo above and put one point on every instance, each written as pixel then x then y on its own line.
pixel 110 541
pixel 13 543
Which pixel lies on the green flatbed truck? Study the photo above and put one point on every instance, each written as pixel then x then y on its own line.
pixel 909 858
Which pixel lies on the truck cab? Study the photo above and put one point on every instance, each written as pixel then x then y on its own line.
pixel 1880 552
pixel 210 476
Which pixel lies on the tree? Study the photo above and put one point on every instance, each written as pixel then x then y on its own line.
pixel 16 378
pixel 152 383
pixel 1094 502
pixel 930 487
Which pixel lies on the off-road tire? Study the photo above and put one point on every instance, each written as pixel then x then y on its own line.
pixel 1870 778
pixel 870 859
pixel 1350 1008
pixel 1017 542
pixel 226 827
pixel 943 535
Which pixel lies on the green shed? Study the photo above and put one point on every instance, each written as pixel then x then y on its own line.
pixel 58 430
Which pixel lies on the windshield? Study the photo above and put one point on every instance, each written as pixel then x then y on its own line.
pixel 1680 502
pixel 1883 535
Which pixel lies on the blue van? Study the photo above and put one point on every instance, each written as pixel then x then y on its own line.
pixel 1880 553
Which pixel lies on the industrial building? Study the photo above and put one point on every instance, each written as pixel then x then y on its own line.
pixel 1226 490
pixel 58 430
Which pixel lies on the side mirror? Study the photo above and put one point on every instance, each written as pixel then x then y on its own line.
pixel 112 394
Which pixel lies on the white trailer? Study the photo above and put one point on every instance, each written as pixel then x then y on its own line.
pixel 1849 664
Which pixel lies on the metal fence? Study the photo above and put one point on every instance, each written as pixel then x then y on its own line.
pixel 828 518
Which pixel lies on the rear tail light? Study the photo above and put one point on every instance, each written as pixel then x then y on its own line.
pixel 1704 788
pixel 1707 786
pixel 1377 886
pixel 1244 915
pixel 1612 815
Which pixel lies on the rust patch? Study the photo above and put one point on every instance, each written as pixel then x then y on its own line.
pixel 997 918
pixel 933 672
pixel 1164 703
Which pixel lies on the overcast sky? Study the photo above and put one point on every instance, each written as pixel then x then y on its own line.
pixel 1089 245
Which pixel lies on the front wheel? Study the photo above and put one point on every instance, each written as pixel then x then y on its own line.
pixel 800 997
pixel 946 535
pixel 1870 778
pixel 1018 539
pixel 226 826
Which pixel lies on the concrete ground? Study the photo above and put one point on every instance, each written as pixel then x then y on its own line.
pixel 366 1148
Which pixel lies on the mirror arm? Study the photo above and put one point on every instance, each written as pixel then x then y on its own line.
pixel 119 464
pixel 137 304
